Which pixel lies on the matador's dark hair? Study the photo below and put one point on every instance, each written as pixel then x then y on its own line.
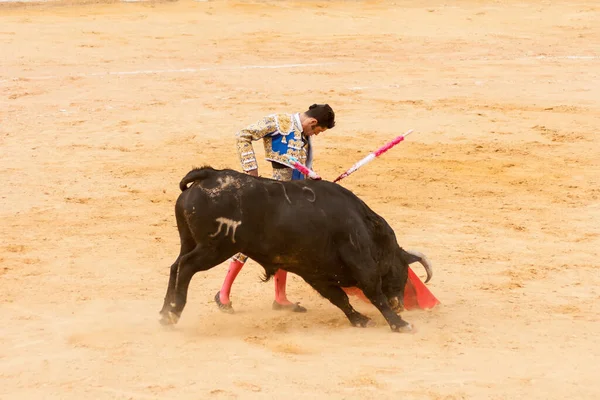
pixel 324 115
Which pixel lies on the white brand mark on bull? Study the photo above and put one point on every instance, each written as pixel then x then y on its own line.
pixel 224 183
pixel 284 192
pixel 314 196
pixel 228 181
pixel 231 225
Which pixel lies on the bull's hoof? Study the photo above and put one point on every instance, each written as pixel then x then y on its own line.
pixel 227 308
pixel 290 307
pixel 362 322
pixel 366 324
pixel 169 318
pixel 405 327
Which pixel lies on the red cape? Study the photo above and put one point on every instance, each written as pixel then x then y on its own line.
pixel 416 294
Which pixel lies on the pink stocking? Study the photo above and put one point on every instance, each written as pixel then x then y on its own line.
pixel 280 281
pixel 234 269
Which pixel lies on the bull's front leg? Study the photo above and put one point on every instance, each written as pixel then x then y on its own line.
pixel 379 300
pixel 338 297
pixel 365 273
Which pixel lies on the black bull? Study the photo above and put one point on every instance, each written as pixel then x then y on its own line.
pixel 317 230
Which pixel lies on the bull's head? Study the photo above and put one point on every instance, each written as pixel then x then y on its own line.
pixel 395 282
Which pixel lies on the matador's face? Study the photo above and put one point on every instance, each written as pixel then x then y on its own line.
pixel 311 128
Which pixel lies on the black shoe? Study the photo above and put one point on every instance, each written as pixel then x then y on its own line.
pixel 223 307
pixel 291 307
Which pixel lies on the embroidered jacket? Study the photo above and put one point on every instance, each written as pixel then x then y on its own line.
pixel 281 134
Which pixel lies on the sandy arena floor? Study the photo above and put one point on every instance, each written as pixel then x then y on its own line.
pixel 105 107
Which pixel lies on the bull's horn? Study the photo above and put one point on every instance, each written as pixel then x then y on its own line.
pixel 422 259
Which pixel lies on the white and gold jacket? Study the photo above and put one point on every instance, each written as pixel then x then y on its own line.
pixel 282 135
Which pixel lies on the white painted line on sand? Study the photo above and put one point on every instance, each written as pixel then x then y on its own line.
pixel 247 67
pixel 356 88
pixel 27 344
pixel 567 57
pixel 170 71
pixel 126 393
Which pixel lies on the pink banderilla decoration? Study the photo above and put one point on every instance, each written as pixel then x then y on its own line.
pixel 416 294
pixel 303 168
pixel 373 155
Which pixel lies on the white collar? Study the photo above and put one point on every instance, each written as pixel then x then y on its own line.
pixel 297 118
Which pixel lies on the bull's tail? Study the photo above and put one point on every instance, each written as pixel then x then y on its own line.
pixel 197 174
pixel 267 276
pixel 411 256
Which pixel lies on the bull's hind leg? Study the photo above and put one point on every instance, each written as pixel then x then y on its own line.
pixel 187 245
pixel 199 259
pixel 170 295
pixel 338 297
